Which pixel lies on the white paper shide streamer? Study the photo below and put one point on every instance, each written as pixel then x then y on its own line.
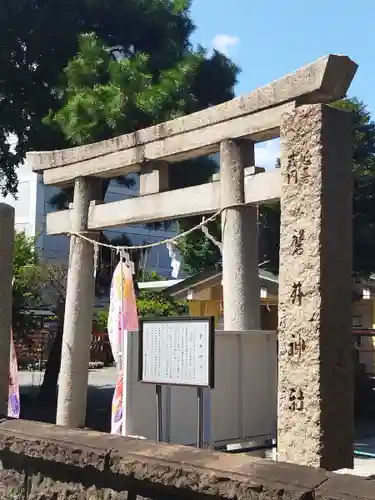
pixel 175 257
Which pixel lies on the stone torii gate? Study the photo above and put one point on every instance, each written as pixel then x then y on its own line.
pixel 315 414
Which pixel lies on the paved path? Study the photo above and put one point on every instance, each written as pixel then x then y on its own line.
pixel 99 399
pixel 362 467
pixel 105 377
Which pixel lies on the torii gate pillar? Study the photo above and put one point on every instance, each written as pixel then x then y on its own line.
pixel 315 411
pixel 241 290
pixel 75 355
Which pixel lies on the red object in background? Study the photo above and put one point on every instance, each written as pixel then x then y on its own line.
pixel 100 334
pixel 366 332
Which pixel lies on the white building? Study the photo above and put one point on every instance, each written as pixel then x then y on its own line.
pixel 33 202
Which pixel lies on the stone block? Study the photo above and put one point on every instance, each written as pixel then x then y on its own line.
pixel 12 484
pixel 53 444
pixel 61 464
pixel 345 487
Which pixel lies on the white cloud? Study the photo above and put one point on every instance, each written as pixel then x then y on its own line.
pixel 266 154
pixel 223 43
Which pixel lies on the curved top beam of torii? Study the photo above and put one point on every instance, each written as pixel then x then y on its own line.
pixel 255 116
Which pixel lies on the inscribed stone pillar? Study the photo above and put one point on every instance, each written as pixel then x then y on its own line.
pixel 75 357
pixel 6 273
pixel 315 390
pixel 241 289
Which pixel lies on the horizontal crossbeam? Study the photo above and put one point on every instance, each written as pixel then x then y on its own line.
pixel 263 125
pixel 203 199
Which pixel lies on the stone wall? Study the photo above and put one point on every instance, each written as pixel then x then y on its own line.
pixel 42 462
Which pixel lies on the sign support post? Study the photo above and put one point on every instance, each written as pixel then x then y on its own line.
pixel 178 352
pixel 159 413
pixel 200 417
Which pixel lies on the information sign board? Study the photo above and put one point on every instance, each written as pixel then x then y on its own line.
pixel 177 351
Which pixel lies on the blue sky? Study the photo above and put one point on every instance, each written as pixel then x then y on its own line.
pixel 269 39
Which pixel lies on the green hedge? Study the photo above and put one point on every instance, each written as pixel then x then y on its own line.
pixel 150 305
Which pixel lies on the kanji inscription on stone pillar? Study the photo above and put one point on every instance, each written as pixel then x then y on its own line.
pixel 315 390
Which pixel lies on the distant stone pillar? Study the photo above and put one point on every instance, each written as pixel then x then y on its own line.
pixel 6 273
pixel 75 356
pixel 241 289
pixel 315 390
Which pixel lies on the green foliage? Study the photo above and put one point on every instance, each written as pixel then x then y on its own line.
pixel 104 97
pixel 101 320
pixel 364 186
pixel 24 254
pixel 197 251
pixel 150 305
pixel 146 276
pixel 180 6
pixel 156 304
pixel 26 279
pixel 363 136
pixel 41 38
